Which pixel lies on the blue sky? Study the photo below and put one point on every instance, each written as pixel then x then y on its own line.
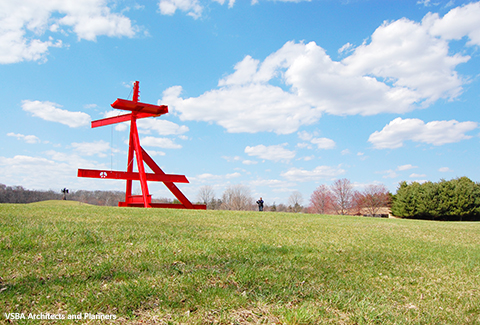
pixel 280 96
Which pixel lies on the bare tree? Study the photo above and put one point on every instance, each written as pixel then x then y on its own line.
pixel 281 208
pixel 357 203
pixel 342 191
pixel 237 197
pixel 206 195
pixel 295 201
pixel 375 197
pixel 321 200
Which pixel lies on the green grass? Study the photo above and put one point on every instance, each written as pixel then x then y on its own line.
pixel 197 267
pixel 51 203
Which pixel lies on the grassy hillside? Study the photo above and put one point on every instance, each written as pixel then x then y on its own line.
pixel 194 267
pixel 52 203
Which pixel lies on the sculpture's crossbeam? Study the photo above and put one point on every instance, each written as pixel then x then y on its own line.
pixel 110 174
pixel 130 105
pixel 140 110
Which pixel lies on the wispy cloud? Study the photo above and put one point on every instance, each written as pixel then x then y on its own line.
pixel 318 173
pixel 27 138
pixel 437 133
pixel 52 112
pixel 275 152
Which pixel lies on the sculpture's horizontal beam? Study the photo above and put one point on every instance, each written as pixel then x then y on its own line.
pixel 129 105
pixel 119 119
pixel 109 174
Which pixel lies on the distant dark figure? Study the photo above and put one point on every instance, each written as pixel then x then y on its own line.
pixel 260 204
pixel 65 192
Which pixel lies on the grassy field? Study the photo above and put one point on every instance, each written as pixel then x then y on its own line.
pixel 202 267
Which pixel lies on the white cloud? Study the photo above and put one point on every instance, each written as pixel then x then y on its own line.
pixel 346 48
pixel 209 177
pixel 426 3
pixel 232 159
pixel 156 153
pixel 233 175
pixel 320 172
pixel 51 112
pixel 275 153
pixel 280 185
pixel 436 132
pixel 159 142
pixel 457 23
pixel 250 108
pixel 445 170
pixel 92 148
pixel 146 125
pixel 56 172
pixel 414 175
pixel 230 2
pixel 388 174
pixel 305 136
pixel 27 138
pixel 249 162
pixel 23 24
pixel 404 66
pixel 24 165
pixel 308 158
pixel 238 158
pixel 406 167
pixel 304 145
pixel 192 7
pixel 416 64
pixel 162 127
pixel 323 143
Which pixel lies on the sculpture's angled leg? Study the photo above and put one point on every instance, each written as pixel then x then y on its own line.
pixel 171 186
pixel 128 191
pixel 140 165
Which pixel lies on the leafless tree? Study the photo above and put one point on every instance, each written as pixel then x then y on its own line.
pixel 375 197
pixel 295 201
pixel 357 203
pixel 281 208
pixel 206 195
pixel 321 200
pixel 237 197
pixel 342 190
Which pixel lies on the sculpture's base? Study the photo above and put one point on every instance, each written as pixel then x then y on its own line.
pixel 161 205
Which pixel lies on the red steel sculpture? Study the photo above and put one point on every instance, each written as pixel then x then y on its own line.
pixel 140 110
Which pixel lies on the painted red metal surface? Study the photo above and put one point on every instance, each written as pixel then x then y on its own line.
pixel 140 110
pixel 112 174
pixel 133 106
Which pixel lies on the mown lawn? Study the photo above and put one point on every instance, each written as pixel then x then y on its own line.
pixel 228 267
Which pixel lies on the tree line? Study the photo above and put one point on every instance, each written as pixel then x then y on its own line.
pixel 238 197
pixel 339 198
pixel 18 194
pixel 457 199
pixel 454 200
